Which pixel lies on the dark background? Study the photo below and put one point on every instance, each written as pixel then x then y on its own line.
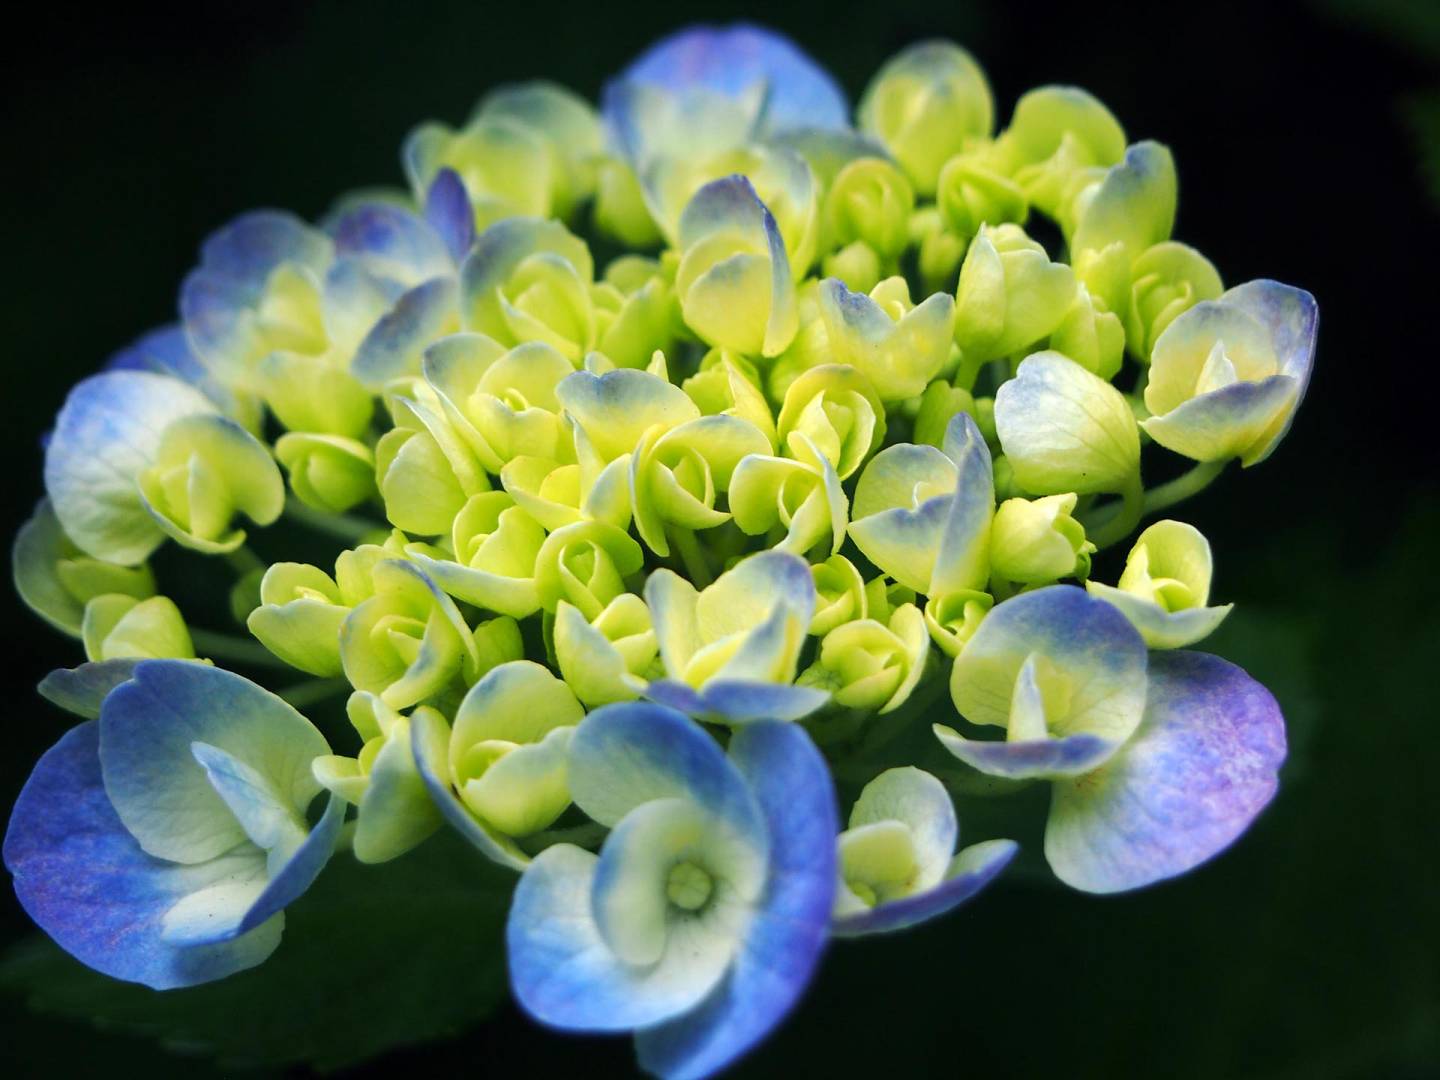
pixel 1302 135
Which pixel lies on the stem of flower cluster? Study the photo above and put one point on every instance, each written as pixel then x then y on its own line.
pixel 1120 524
pixel 341 526
pixel 307 693
pixel 693 556
pixel 1183 486
pixel 217 646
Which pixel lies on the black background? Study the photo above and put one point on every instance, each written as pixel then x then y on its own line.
pixel 1312 949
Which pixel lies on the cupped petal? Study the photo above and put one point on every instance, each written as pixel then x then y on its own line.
pixel 430 741
pixel 790 925
pixel 163 796
pixel 107 433
pixel 1197 773
pixel 625 755
pixel 395 345
pixel 919 801
pixel 1162 629
pixel 1292 317
pixel 86 881
pixel 968 873
pixel 1023 759
pixel 1234 421
pixel 563 972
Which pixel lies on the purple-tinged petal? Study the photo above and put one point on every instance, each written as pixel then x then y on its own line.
pixel 1235 420
pixel 1292 317
pixel 448 210
pixel 1029 758
pixel 790 926
pixel 1201 767
pixel 395 345
pixel 81 690
pixel 246 250
pixel 737 702
pixel 970 871
pixel 733 59
pixel 393 243
pixel 83 878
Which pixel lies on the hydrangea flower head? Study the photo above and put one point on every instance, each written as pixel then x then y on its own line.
pixel 687 465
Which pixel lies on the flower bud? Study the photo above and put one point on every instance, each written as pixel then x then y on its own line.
pixel 800 494
pixel 873 665
pixel 610 658
pixel 509 747
pixel 856 264
pixel 620 210
pixel 972 194
pixel 940 404
pixel 116 627
pixel 425 471
pixel 1166 586
pixel 407 642
pixel 870 200
pixel 308 394
pixel 585 565
pixel 1227 376
pixel 299 618
pixel 898 347
pixel 1037 542
pixel 490 561
pixel 727 385
pixel 530 280
pixel 1010 294
pixel 328 472
pixel 1056 133
pixel 839 594
pixel 1066 430
pixel 1091 336
pixel 636 311
pixel 1165 281
pixel 56 579
pixel 941 251
pixel 952 619
pixel 508 168
pixel 207 468
pixel 924 104
pixel 734 281
pixel 567 124
pixel 393 810
pixel 838 410
pixel 1131 204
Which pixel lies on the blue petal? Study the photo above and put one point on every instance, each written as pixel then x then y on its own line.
pixel 973 869
pixel 167 351
pixel 731 60
pixel 301 869
pixel 395 345
pixel 392 243
pixel 562 971
pixel 1189 782
pixel 963 559
pixel 81 690
pixel 82 877
pixel 1292 317
pixel 1029 758
pixel 447 209
pixel 159 791
pixel 627 754
pixel 738 702
pixel 790 926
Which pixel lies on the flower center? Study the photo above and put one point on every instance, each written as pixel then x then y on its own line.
pixel 688 886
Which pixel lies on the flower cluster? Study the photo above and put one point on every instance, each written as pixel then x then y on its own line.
pixel 653 566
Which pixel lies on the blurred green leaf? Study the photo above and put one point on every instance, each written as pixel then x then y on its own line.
pixel 372 958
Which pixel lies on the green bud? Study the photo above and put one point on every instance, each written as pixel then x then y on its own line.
pixel 1091 336
pixel 952 619
pixel 1056 133
pixel 897 346
pixel 838 410
pixel 839 594
pixel 328 472
pixel 507 167
pixel 940 403
pixel 925 104
pixel 876 665
pixel 117 627
pixel 1010 294
pixel 565 122
pixel 299 618
pixel 1165 281
pixel 620 210
pixel 609 658
pixel 856 264
pixel 585 564
pixel 1165 588
pixel 870 200
pixel 56 579
pixel 972 194
pixel 309 394
pixel 1035 542
pixel 635 318
pixel 726 386
pixel 207 469
pixel 940 250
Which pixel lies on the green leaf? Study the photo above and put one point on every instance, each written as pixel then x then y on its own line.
pixel 372 958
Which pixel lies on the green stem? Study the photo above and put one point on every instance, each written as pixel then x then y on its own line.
pixel 307 693
pixel 341 526
pixel 1183 486
pixel 968 371
pixel 217 646
pixel 1115 528
pixel 244 561
pixel 692 555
